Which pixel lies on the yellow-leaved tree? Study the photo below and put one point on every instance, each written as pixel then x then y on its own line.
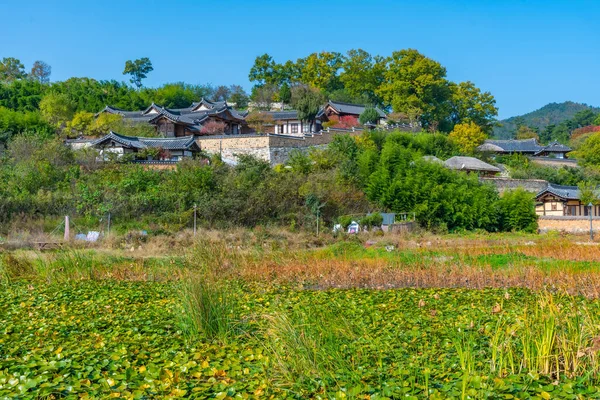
pixel 467 136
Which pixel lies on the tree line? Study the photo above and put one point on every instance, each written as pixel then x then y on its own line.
pixel 41 178
pixel 407 83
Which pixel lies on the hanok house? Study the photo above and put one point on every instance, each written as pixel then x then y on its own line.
pixel 346 114
pixel 559 200
pixel 471 165
pixel 169 149
pixel 178 122
pixel 529 147
pixel 287 123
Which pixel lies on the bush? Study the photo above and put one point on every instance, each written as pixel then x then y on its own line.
pixel 517 211
pixel 371 220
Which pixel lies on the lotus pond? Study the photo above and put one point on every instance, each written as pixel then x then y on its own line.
pixel 101 339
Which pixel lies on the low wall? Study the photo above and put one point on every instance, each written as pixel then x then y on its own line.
pixel 504 184
pixel 554 162
pixel 568 224
pixel 272 148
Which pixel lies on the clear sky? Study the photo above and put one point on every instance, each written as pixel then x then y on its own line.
pixel 526 53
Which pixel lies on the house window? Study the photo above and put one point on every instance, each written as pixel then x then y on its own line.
pixel 554 206
pixel 305 127
pixel 294 128
pixel 280 128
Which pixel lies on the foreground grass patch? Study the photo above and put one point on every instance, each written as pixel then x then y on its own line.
pixel 108 338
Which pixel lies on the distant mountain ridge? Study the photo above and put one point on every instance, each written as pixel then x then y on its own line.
pixel 553 113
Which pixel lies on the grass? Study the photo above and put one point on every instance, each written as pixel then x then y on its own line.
pixel 478 317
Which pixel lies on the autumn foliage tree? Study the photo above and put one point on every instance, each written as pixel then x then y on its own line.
pixel 467 136
pixel 213 128
pixel 259 120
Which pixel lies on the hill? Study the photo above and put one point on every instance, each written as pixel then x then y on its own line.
pixel 552 113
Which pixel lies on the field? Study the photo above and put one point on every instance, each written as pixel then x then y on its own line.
pixel 258 316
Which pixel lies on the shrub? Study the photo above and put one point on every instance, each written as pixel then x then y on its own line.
pixel 371 220
pixel 517 211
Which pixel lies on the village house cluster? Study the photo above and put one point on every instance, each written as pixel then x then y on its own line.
pixel 217 127
pixel 183 133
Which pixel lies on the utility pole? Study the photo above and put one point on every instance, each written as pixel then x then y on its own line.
pixel 67 230
pixel 195 213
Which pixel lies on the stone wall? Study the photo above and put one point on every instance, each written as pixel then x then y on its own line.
pixel 504 184
pixel 272 148
pixel 568 224
pixel 554 162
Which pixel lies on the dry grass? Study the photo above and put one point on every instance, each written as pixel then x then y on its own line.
pixel 284 258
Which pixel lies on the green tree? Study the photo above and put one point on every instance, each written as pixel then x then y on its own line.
pixel 526 132
pixel 239 97
pixel 588 193
pixel 41 71
pixel 81 123
pixel 415 82
pixel 307 101
pixel 362 74
pixel 11 69
pixel 320 70
pixel 369 116
pixel 222 93
pixel 589 152
pixel 285 93
pixel 57 109
pixel 138 69
pixel 264 71
pixel 174 95
pixel 467 136
pixel 517 211
pixel 468 103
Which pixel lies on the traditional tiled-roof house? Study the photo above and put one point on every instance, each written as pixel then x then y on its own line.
pixel 346 114
pixel 287 123
pixel 169 149
pixel 529 147
pixel 559 200
pixel 177 122
pixel 472 165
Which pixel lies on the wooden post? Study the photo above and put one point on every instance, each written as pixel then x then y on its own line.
pixel 195 208
pixel 108 227
pixel 67 230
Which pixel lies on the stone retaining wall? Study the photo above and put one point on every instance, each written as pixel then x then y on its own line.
pixel 504 184
pixel 568 224
pixel 272 148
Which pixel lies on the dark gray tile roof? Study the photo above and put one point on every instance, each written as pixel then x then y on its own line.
pixel 349 108
pixel 522 146
pixel 556 147
pixel 469 164
pixel 564 192
pixel 279 115
pixel 516 146
pixel 177 143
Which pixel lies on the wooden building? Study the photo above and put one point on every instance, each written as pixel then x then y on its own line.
pixel 559 200
pixel 166 149
pixel 346 114
pixel 528 147
pixel 192 120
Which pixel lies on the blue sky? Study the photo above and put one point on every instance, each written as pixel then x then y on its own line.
pixel 526 53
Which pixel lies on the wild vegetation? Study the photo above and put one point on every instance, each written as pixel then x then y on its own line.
pixel 42 179
pixel 254 314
